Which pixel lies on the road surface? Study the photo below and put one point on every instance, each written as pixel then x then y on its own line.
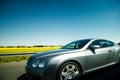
pixel 12 70
pixel 15 54
pixel 15 71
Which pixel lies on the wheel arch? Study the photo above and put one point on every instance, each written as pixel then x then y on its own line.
pixel 79 64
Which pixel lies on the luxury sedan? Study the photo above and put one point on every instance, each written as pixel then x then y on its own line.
pixel 76 58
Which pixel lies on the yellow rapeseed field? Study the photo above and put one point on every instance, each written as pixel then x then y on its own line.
pixel 25 50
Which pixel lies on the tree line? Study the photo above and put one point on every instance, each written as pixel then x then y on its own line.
pixel 29 46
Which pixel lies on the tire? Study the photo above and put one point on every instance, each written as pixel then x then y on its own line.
pixel 119 59
pixel 68 71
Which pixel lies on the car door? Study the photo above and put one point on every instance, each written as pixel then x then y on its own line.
pixel 97 57
pixel 112 53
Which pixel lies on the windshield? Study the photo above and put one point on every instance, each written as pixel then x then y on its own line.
pixel 76 44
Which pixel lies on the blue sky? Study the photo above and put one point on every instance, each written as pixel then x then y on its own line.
pixel 57 22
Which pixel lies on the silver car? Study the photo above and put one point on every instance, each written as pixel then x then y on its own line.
pixel 73 59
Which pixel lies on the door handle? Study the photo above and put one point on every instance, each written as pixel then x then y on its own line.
pixel 110 51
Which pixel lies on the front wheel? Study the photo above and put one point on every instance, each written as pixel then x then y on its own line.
pixel 68 71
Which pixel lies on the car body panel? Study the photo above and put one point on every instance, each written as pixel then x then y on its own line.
pixel 97 58
pixel 87 59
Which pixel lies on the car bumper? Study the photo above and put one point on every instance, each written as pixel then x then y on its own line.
pixel 40 74
pixel 31 72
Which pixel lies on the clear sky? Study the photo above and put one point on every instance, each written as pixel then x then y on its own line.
pixel 57 22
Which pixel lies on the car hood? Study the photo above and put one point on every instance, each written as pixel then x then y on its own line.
pixel 51 53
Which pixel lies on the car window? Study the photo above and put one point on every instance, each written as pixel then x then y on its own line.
pixel 71 46
pixel 101 43
pixel 110 44
pixel 76 44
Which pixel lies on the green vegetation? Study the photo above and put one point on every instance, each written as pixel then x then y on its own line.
pixel 22 49
pixel 7 59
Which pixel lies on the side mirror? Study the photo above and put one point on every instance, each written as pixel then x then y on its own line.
pixel 95 46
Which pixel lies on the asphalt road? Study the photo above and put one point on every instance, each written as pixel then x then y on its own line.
pixel 15 71
pixel 12 70
pixel 15 54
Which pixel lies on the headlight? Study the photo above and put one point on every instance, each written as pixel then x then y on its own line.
pixel 39 64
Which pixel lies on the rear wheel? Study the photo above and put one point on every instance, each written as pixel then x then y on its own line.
pixel 68 71
pixel 119 59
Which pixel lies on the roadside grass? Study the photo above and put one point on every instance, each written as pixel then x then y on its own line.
pixel 6 59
